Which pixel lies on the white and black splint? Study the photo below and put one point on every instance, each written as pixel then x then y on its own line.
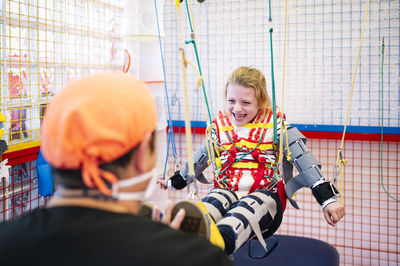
pixel 218 202
pixel 256 215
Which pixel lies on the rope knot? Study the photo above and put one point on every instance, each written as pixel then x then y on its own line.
pixel 232 154
pixel 255 154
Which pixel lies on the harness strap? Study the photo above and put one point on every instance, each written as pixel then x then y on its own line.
pixel 260 170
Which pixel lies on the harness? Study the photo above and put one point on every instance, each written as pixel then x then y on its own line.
pixel 247 158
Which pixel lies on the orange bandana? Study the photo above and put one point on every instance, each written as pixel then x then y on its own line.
pixel 95 120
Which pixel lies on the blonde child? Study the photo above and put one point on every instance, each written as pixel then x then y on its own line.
pixel 249 195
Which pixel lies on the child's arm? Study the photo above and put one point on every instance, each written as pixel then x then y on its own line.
pixel 181 178
pixel 334 212
pixel 310 175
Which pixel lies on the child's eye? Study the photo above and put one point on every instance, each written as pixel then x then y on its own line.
pixel 231 101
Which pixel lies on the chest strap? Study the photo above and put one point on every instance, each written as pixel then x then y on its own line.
pixel 260 171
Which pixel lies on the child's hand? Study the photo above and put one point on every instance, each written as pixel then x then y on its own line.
pixel 333 213
pixel 166 217
pixel 163 183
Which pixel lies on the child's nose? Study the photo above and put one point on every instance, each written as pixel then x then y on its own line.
pixel 237 107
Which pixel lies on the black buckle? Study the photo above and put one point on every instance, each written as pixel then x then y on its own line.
pixel 334 190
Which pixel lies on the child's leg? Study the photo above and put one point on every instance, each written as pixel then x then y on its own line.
pixel 218 201
pixel 257 214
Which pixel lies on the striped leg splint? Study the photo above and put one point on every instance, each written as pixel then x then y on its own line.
pixel 218 201
pixel 252 216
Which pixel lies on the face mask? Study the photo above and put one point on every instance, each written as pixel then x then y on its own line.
pixel 141 195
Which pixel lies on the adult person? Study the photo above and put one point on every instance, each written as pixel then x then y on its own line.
pixel 97 134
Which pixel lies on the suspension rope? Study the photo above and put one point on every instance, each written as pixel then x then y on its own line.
pixel 275 122
pixel 283 92
pixel 381 144
pixel 340 161
pixel 273 90
pixel 194 42
pixel 171 139
pixel 270 17
pixel 184 62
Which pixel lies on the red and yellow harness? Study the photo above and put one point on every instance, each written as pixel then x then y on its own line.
pixel 247 155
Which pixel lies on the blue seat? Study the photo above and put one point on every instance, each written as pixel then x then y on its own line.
pixel 287 251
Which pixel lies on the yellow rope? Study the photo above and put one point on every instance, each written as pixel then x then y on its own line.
pixel 210 145
pixel 283 93
pixel 340 162
pixel 191 15
pixel 289 154
pixel 212 150
pixel 188 131
pixel 178 5
pixel 199 78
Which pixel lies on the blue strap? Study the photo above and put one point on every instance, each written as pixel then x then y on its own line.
pixel 45 180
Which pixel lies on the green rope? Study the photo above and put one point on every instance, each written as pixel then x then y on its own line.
pixel 270 17
pixel 192 41
pixel 273 89
pixel 231 140
pixel 381 151
pixel 273 97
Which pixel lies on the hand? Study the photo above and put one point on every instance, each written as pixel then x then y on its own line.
pixel 166 218
pixel 163 183
pixel 334 212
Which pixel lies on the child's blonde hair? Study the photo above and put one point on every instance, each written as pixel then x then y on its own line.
pixel 251 78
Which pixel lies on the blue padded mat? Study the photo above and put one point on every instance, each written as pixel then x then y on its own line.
pixel 289 251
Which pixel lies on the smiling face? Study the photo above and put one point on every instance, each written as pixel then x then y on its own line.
pixel 241 104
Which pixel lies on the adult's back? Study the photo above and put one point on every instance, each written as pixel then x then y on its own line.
pixel 85 236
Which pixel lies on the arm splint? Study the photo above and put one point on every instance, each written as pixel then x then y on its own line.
pixel 309 169
pixel 181 178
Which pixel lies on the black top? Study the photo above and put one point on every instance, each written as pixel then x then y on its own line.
pixel 84 236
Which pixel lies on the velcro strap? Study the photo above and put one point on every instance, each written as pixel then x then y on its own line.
pixel 305 161
pixel 324 191
pixel 177 181
pixel 200 159
pixel 293 135
pixel 215 196
pixel 304 179
pixel 297 148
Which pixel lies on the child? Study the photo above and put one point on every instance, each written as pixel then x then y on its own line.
pixel 249 196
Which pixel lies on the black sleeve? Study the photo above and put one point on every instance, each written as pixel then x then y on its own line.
pixel 324 191
pixel 177 181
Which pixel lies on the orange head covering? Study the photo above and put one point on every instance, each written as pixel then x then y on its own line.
pixel 95 120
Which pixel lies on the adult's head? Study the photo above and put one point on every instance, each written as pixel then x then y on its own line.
pixel 97 126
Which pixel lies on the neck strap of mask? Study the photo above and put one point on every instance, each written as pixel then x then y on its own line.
pixel 66 192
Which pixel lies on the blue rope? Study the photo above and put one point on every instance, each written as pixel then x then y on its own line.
pixel 171 138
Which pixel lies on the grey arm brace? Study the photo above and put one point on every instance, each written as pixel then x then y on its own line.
pixel 200 160
pixel 303 160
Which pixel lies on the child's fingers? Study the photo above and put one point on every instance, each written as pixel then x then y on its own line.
pixel 335 218
pixel 162 182
pixel 328 219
